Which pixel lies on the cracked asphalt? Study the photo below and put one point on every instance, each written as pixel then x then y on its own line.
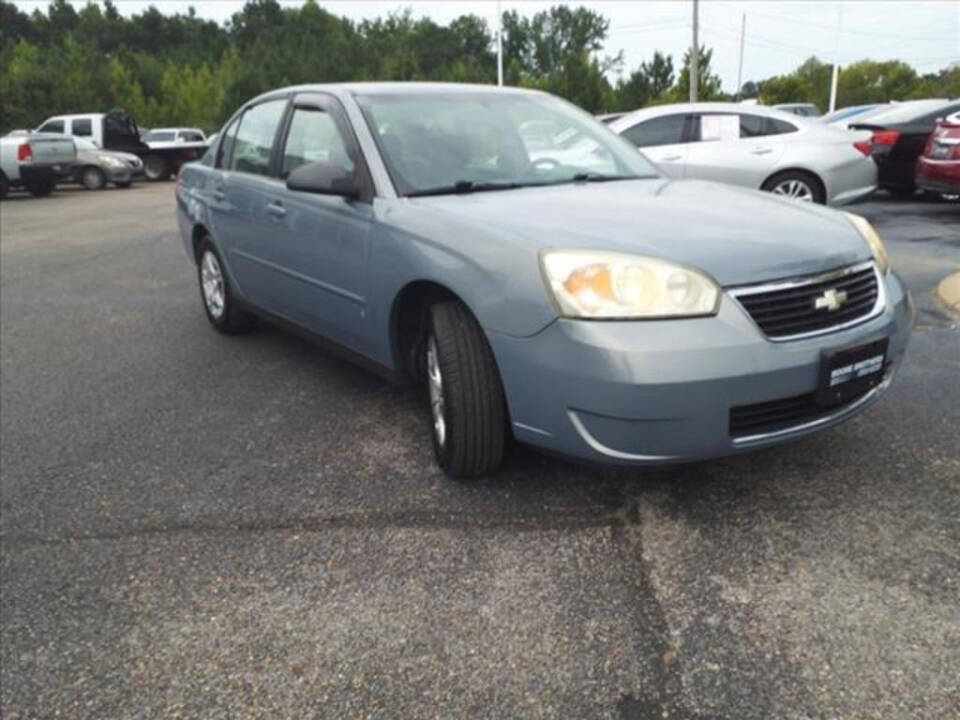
pixel 201 526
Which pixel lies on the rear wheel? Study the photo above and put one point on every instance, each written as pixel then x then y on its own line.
pixel 40 188
pixel 467 406
pixel 218 301
pixel 796 185
pixel 155 168
pixel 92 178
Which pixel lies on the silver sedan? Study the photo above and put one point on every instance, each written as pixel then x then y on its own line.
pixel 754 147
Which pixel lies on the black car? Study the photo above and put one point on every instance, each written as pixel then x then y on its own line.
pixel 899 136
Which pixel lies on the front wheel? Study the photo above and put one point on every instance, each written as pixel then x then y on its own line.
pixel 92 178
pixel 222 309
pixel 155 168
pixel 467 406
pixel 796 185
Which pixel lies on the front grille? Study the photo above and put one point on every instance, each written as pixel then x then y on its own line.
pixel 781 414
pixel 792 308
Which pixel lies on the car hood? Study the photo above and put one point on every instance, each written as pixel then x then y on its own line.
pixel 125 157
pixel 737 236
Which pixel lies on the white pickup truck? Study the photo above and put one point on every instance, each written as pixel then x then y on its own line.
pixel 35 162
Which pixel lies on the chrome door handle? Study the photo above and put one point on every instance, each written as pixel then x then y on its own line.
pixel 671 158
pixel 277 210
pixel 761 151
pixel 218 195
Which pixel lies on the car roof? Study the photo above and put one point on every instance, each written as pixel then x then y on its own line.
pixel 722 107
pixel 395 88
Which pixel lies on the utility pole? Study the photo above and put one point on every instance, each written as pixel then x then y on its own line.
pixel 743 34
pixel 836 61
pixel 694 57
pixel 499 45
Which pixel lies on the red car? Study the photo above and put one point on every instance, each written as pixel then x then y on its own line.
pixel 938 169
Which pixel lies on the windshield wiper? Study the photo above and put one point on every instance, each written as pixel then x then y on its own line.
pixel 599 177
pixel 462 187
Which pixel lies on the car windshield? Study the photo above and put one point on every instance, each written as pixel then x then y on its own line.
pixel 438 143
pixel 158 136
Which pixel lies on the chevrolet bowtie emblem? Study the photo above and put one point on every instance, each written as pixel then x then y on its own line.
pixel 830 300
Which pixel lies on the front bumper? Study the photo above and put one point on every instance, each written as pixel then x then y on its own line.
pixel 122 174
pixel 661 391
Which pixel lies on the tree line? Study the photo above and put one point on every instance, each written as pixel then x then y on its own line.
pixel 184 70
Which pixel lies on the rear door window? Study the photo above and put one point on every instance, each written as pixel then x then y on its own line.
pixel 663 130
pixel 254 140
pixel 82 127
pixel 759 126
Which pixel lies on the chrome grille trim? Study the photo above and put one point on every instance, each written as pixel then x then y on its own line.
pixel 795 283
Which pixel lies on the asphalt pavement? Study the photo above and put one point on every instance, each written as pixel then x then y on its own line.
pixel 202 526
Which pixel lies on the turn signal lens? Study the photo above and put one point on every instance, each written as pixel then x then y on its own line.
pixel 589 284
pixel 877 248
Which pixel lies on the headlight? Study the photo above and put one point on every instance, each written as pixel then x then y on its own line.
pixel 592 284
pixel 112 162
pixel 873 240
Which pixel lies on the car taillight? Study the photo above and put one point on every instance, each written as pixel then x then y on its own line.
pixel 955 155
pixel 885 138
pixel 864 146
pixel 24 153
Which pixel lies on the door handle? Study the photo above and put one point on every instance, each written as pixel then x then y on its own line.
pixel 671 158
pixel 218 195
pixel 761 151
pixel 277 210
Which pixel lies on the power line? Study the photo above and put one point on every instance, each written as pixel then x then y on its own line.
pixel 844 31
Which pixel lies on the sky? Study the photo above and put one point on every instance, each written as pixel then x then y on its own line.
pixel 780 34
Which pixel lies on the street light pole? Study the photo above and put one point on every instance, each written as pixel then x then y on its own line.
pixel 499 45
pixel 836 62
pixel 694 57
pixel 743 34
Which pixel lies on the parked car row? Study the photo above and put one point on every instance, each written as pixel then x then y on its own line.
pixel 117 131
pixel 107 148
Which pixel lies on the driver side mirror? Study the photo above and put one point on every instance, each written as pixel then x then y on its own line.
pixel 324 178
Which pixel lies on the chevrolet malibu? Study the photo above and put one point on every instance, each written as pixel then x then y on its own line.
pixel 585 305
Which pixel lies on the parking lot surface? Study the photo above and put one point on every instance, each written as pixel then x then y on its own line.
pixel 202 526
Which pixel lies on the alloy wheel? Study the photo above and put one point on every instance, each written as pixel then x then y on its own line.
pixel 795 189
pixel 435 385
pixel 211 279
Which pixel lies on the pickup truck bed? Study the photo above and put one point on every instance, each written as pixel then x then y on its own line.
pixel 35 162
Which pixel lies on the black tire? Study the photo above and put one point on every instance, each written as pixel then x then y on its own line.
pixel 40 188
pixel 473 409
pixel 155 168
pixel 809 180
pixel 124 185
pixel 92 178
pixel 4 186
pixel 232 319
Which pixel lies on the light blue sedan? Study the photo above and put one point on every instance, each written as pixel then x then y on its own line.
pixel 573 300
